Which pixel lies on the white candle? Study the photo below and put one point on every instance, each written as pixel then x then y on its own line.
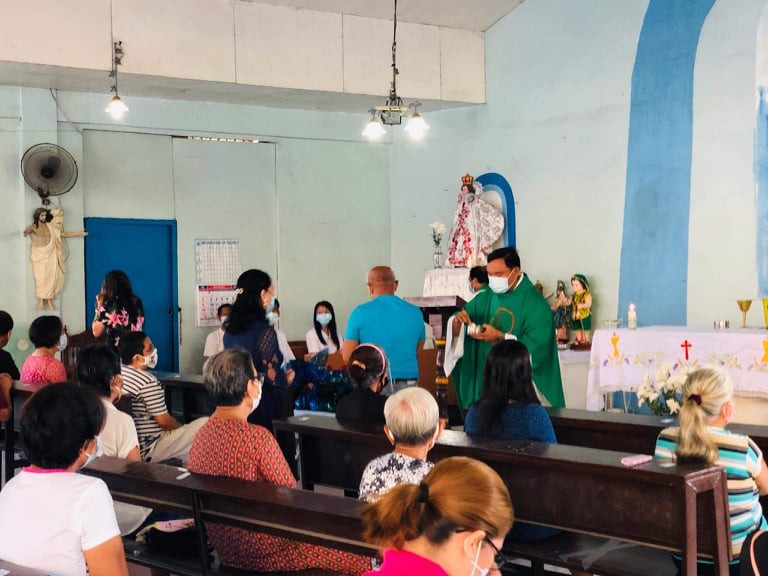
pixel 632 317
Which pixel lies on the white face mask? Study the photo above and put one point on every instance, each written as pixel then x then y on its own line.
pixel 324 319
pixel 223 319
pixel 151 360
pixel 273 317
pixel 99 452
pixel 62 341
pixel 256 401
pixel 475 566
pixel 499 284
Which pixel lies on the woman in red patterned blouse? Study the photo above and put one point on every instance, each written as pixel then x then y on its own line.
pixel 227 445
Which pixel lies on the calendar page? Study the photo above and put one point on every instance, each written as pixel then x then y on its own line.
pixel 217 266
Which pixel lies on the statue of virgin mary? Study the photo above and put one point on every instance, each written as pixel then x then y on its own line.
pixel 477 225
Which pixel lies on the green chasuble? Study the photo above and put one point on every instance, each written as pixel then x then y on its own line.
pixel 527 313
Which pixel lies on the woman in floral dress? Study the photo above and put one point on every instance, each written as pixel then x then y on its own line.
pixel 118 309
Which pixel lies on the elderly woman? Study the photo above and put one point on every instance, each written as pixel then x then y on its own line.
pixel 54 520
pixel 227 445
pixel 412 427
pixel 451 524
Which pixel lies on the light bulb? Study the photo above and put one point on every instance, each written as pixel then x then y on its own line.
pixel 416 126
pixel 116 107
pixel 374 130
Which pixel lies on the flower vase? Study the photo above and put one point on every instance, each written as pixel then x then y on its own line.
pixel 437 258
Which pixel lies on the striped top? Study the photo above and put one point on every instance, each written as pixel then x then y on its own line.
pixel 147 401
pixel 742 461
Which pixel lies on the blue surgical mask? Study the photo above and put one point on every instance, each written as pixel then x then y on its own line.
pixel 62 341
pixel 271 305
pixel 475 566
pixel 324 319
pixel 99 452
pixel 272 318
pixel 223 319
pixel 471 288
pixel 499 284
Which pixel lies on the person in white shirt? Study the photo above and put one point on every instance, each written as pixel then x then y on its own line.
pixel 98 368
pixel 282 340
pixel 214 343
pixel 53 520
pixel 324 333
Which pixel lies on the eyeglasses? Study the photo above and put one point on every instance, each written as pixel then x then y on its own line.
pixel 499 558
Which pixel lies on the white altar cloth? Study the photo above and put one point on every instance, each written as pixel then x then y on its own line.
pixel 620 358
pixel 447 282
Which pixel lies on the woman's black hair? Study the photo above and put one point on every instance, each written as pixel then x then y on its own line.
pixel 45 331
pixel 248 307
pixel 331 326
pixel 117 287
pixel 57 421
pixel 506 378
pixel 367 363
pixel 96 366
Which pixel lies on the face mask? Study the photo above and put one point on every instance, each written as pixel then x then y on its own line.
pixel 273 317
pixel 471 289
pixel 499 284
pixel 256 401
pixel 324 319
pixel 99 452
pixel 62 341
pixel 271 305
pixel 223 319
pixel 475 566
pixel 151 360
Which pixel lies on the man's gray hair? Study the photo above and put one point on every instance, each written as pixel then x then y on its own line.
pixel 226 375
pixel 412 416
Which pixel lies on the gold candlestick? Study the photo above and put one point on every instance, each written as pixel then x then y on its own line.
pixel 744 307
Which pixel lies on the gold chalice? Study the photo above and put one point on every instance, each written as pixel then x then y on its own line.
pixel 744 307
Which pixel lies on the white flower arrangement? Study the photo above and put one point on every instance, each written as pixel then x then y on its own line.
pixel 438 229
pixel 662 391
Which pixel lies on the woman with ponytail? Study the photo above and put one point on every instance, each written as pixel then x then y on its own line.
pixel 247 327
pixel 451 524
pixel 707 408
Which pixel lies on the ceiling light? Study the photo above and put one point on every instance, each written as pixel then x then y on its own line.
pixel 394 109
pixel 116 106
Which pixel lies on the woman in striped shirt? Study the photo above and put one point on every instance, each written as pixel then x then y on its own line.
pixel 707 408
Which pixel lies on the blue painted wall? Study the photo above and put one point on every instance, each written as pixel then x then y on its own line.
pixel 654 250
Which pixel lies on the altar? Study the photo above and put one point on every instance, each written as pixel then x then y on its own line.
pixel 621 358
pixel 447 282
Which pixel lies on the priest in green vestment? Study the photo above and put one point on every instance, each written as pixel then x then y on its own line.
pixel 511 309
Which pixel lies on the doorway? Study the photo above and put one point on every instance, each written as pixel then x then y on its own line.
pixel 146 251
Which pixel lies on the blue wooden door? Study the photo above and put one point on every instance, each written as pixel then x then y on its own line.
pixel 146 251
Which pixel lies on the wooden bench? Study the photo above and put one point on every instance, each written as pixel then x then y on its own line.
pixel 584 490
pixel 322 519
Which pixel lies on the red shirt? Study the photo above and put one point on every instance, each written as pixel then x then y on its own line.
pixel 237 449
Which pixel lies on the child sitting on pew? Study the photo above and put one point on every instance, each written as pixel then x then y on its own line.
pixel 707 408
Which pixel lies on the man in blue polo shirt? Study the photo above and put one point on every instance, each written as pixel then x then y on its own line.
pixel 389 322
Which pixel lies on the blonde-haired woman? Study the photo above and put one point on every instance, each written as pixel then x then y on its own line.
pixel 453 523
pixel 707 408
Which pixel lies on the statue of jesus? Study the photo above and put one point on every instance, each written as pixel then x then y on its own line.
pixel 47 253
pixel 477 225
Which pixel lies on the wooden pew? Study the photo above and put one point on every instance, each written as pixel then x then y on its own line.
pixel 680 508
pixel 292 513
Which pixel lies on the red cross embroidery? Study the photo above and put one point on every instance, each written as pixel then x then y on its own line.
pixel 686 345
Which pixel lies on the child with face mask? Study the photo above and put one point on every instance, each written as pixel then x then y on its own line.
pixel 324 333
pixel 161 436
pixel 451 524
